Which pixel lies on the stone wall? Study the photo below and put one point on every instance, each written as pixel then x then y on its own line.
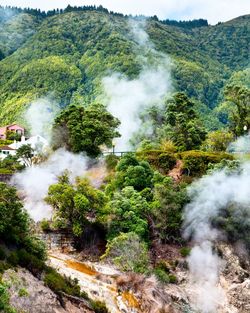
pixel 58 241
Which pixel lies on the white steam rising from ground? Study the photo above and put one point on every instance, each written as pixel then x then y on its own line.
pixel 210 195
pixel 34 181
pixel 40 116
pixel 241 145
pixel 127 98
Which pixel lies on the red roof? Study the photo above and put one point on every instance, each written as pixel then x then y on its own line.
pixel 6 148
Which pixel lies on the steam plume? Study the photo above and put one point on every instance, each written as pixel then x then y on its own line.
pixel 127 98
pixel 210 195
pixel 34 181
pixel 40 116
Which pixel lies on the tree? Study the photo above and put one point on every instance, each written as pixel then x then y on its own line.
pixel 25 153
pixel 126 212
pixel 85 129
pixel 128 253
pixel 15 223
pixel 218 140
pixel 73 203
pixel 166 213
pixel 237 108
pixel 183 125
pixel 132 172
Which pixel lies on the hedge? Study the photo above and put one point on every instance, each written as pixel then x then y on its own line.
pixel 159 159
pixel 195 163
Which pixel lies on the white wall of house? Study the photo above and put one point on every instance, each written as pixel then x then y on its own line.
pixel 5 153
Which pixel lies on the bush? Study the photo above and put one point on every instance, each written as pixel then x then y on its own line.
pixel 23 293
pixel 45 225
pixel 111 161
pixel 165 278
pixel 159 159
pixel 196 163
pixel 13 258
pixel 4 266
pixel 31 262
pixel 99 307
pixel 5 299
pixel 167 162
pixel 58 283
pixel 185 251
pixel 128 253
pixel 162 276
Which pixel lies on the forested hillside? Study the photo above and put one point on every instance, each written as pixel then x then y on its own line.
pixel 65 54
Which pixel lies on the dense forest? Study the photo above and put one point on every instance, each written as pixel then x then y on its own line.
pixel 40 49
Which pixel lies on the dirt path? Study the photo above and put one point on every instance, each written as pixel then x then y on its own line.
pixel 95 279
pixel 176 172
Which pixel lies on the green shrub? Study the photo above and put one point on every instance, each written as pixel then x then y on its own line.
pixel 172 279
pixel 185 251
pixel 162 276
pixel 5 171
pixel 13 258
pixel 4 266
pixel 31 262
pixel 5 299
pixel 23 293
pixel 128 253
pixel 99 307
pixel 45 225
pixel 111 161
pixel 167 161
pixel 196 163
pixel 58 283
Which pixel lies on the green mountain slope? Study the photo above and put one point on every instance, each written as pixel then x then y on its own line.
pixel 67 55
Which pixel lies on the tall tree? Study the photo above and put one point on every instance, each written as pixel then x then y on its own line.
pixel 83 129
pixel 238 108
pixel 183 125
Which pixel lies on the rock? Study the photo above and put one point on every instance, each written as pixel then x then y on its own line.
pixel 30 295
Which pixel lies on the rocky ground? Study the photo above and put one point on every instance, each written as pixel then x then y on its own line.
pixel 30 295
pixel 131 293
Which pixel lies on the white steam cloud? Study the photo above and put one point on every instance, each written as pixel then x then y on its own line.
pixel 241 145
pixel 210 195
pixel 40 116
pixel 127 98
pixel 34 181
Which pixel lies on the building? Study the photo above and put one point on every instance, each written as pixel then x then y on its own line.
pixel 38 143
pixel 15 128
pixel 6 151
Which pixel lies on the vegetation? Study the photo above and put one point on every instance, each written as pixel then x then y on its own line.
pixel 85 129
pixel 185 129
pixel 140 205
pixel 73 203
pixel 70 64
pixel 128 253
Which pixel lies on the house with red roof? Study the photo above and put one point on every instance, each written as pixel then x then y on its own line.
pixel 11 128
pixel 6 151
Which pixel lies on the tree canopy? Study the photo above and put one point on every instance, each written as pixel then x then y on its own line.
pixel 83 129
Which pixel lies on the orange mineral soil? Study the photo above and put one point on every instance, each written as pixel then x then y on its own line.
pixel 81 267
pixel 130 299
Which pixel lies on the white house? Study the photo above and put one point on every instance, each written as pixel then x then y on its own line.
pixel 5 151
pixel 38 143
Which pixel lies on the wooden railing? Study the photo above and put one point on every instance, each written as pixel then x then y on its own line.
pixel 117 153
